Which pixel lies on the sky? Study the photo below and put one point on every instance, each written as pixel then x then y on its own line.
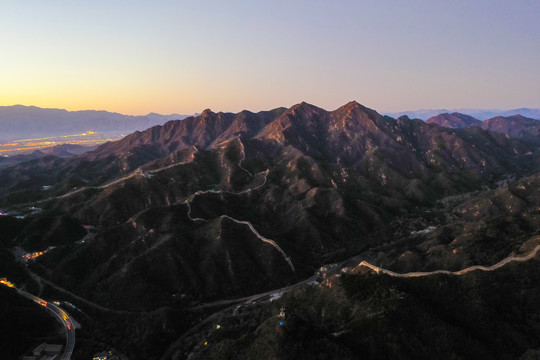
pixel 136 57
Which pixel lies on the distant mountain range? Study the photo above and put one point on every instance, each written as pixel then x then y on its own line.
pixel 479 114
pixel 20 121
pixel 515 126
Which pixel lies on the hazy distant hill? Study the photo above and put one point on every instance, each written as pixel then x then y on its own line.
pixel 454 120
pixel 29 121
pixel 479 114
pixel 515 126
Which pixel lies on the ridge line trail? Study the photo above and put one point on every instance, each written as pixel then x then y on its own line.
pixel 509 259
pixel 249 224
pixel 137 172
pixel 377 269
pixel 266 240
pixel 243 152
pixel 243 157
pixel 140 172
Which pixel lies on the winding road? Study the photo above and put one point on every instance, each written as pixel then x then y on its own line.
pixel 62 316
pixel 42 281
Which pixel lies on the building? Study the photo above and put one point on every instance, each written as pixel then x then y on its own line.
pixel 45 352
pixel 105 355
pixel 101 355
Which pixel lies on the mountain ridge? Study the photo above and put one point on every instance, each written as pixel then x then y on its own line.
pixel 516 126
pixel 167 226
pixel 480 114
pixel 345 134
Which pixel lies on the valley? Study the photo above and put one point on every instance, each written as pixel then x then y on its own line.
pixel 221 219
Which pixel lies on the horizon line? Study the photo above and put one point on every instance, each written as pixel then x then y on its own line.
pixel 442 109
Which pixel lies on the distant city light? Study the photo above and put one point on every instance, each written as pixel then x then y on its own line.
pixel 26 145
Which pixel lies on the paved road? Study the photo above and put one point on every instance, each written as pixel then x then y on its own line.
pixel 64 319
pixel 249 299
pixel 233 303
pixel 41 280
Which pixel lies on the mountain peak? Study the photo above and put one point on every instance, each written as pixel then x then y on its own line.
pixel 305 108
pixel 355 107
pixel 353 104
pixel 207 113
pixel 519 117
pixel 303 105
pixel 403 118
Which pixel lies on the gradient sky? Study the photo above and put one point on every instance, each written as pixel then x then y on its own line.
pixel 135 57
